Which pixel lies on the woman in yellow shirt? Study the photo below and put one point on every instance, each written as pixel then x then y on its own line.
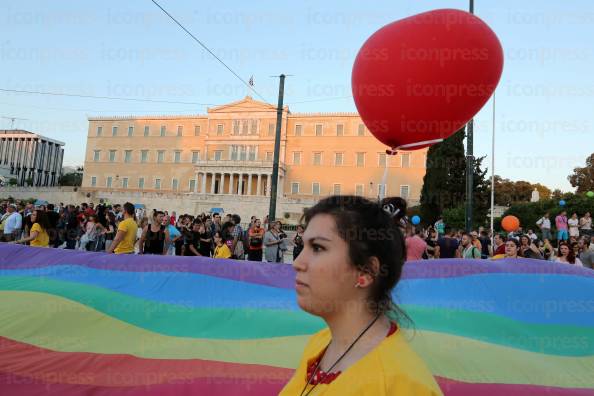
pixel 38 234
pixel 221 248
pixel 352 259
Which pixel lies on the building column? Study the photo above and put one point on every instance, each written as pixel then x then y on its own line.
pixel 196 183
pixel 203 189
pixel 240 184
pixel 268 186
pixel 249 190
pixel 212 183
pixel 259 187
pixel 222 184
pixel 231 192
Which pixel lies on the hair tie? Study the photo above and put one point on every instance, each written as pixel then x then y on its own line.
pixel 389 209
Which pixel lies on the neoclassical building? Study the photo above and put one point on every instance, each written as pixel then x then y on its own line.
pixel 228 152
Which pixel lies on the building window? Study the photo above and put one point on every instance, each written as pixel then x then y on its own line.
pixel 160 156
pixel 220 130
pixel 128 156
pixel 218 155
pixel 114 131
pixel 271 129
pixel 180 130
pixel 317 159
pixel 112 154
pixel 99 131
pixel 404 191
pixel 141 183
pixel 163 130
pixel 252 153
pixel 359 190
pixel 361 130
pixel 336 189
pixel 157 184
pixel 93 181
pixel 405 160
pixel 125 182
pixel 296 158
pixel 269 156
pixel 197 130
pixel 340 130
pixel 360 160
pixel 143 156
pixel 234 152
pixel 236 127
pixel 319 130
pixel 195 156
pixel 174 184
pixel 96 155
pixel 177 157
pixel 381 190
pixel 338 159
pixel 254 127
pixel 192 184
pixel 315 188
pixel 381 160
pixel 146 131
pixel 294 188
pixel 242 153
pixel 298 130
pixel 244 127
pixel 108 181
pixel 130 130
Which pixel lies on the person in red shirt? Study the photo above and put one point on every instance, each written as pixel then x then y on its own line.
pixel 499 245
pixel 415 245
pixel 172 218
pixel 255 237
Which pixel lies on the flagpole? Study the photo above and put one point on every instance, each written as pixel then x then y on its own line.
pixel 493 173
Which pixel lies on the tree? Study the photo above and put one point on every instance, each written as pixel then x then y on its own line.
pixel 13 182
pixel 70 179
pixel 583 178
pixel 444 184
pixel 508 192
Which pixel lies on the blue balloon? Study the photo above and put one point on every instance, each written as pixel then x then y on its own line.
pixel 415 219
pixel 562 202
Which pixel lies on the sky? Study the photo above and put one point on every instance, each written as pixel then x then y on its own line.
pixel 544 119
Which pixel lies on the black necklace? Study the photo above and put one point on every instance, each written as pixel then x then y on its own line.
pixel 337 360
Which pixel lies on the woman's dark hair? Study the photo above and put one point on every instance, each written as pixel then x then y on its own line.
pixel 220 235
pixel 42 219
pixel 570 254
pixel 526 237
pixel 111 217
pixel 369 232
pixel 515 242
pixel 225 232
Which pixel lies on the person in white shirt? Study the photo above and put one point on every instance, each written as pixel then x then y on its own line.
pixel 586 225
pixel 544 223
pixel 533 237
pixel 13 223
pixel 573 224
pixel 566 255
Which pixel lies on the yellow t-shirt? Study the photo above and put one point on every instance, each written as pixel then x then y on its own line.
pixel 126 245
pixel 42 239
pixel 391 368
pixel 222 252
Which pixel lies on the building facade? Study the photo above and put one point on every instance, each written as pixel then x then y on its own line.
pixel 229 152
pixel 30 158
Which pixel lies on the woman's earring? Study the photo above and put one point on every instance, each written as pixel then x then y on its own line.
pixel 360 281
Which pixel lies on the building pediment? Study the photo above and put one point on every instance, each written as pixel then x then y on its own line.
pixel 243 105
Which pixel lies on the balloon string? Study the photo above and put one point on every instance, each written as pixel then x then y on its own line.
pixel 394 150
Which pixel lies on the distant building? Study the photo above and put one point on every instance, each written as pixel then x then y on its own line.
pixel 26 155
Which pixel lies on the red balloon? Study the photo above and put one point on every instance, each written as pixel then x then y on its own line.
pixel 420 79
pixel 510 223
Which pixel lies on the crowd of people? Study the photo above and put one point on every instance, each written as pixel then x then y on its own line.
pixel 123 229
pixel 574 242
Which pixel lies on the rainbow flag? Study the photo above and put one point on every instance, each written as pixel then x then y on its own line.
pixel 78 323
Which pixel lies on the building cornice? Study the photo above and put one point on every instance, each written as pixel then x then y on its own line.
pixel 148 117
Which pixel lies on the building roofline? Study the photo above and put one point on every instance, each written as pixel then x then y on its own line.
pixel 21 133
pixel 332 114
pixel 147 117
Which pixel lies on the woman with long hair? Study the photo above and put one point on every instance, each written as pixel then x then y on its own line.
pixel 352 259
pixel 566 255
pixel 38 235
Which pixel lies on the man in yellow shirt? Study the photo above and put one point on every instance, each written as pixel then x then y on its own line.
pixel 126 236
